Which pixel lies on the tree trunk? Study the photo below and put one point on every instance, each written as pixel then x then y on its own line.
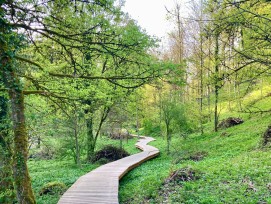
pixel 91 137
pixel 208 85
pixel 22 181
pixel 91 140
pixel 6 180
pixel 216 110
pixel 11 82
pixel 217 81
pixel 168 137
pixel 77 148
pixel 201 72
pixel 230 96
pixel 39 142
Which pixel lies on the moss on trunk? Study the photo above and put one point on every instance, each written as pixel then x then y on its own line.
pixel 22 181
pixel 6 179
pixel 21 175
pixel 91 140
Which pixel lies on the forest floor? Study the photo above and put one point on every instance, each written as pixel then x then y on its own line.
pixel 229 166
pixel 63 170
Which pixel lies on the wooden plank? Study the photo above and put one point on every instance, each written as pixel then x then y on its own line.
pixel 101 185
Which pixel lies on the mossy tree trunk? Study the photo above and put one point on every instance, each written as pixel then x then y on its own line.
pixel 11 82
pixel 6 180
pixel 22 181
pixel 91 139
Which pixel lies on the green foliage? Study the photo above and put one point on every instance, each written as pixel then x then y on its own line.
pixel 174 118
pixel 235 170
pixel 7 196
pixel 87 59
pixel 151 128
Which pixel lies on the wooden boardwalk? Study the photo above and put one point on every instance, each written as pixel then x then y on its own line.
pixel 101 185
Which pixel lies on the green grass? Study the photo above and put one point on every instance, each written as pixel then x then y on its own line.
pixel 65 171
pixel 45 171
pixel 145 180
pixel 236 169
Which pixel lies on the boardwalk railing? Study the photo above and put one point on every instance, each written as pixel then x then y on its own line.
pixel 101 185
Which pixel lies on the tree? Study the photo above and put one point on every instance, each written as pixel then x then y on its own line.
pixel 60 36
pixel 8 46
pixel 172 116
pixel 6 181
pixel 177 46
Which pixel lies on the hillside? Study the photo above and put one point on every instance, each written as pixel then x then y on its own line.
pixel 232 166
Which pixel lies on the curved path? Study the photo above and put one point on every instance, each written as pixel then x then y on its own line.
pixel 101 185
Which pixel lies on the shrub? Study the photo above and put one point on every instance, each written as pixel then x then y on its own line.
pixel 109 153
pixel 53 188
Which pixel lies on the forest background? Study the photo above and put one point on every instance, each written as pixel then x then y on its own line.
pixel 72 71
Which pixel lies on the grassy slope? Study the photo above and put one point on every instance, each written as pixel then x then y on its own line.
pixel 236 169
